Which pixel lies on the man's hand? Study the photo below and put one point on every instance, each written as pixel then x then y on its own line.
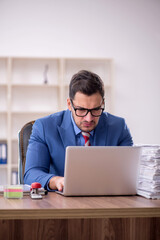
pixel 56 183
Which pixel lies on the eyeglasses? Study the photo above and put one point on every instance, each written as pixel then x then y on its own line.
pixel 82 112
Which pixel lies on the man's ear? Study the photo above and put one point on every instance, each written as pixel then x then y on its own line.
pixel 69 103
pixel 103 103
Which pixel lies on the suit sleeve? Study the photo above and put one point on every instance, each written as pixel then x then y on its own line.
pixel 37 158
pixel 125 138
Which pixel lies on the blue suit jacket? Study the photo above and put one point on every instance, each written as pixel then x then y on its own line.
pixel 52 134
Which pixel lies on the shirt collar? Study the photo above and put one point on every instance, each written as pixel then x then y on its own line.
pixel 77 130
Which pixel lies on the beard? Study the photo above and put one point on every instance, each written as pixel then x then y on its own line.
pixel 86 126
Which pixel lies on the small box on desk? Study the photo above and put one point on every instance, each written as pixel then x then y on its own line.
pixel 13 191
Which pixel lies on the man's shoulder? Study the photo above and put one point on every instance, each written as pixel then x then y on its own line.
pixel 110 118
pixel 55 118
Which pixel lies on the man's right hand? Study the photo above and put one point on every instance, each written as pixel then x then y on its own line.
pixel 56 183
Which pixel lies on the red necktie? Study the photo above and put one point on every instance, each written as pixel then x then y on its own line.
pixel 86 136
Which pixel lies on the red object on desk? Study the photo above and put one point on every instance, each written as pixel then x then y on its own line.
pixel 35 185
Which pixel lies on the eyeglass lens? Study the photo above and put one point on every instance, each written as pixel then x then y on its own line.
pixel 84 112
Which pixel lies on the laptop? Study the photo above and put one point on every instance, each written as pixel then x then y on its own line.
pixel 101 170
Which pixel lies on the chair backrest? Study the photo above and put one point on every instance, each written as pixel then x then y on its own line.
pixel 23 138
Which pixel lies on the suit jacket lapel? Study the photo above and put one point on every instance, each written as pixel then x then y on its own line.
pixel 66 130
pixel 101 131
pixel 67 134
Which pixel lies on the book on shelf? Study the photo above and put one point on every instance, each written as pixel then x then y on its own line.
pixel 3 153
pixel 14 176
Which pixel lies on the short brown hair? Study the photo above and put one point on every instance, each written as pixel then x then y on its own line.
pixel 87 83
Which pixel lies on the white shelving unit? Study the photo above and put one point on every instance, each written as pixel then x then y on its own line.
pixel 34 87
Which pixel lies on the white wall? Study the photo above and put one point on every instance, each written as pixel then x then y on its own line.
pixel 127 31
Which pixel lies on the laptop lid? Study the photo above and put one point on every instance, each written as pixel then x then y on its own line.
pixel 99 170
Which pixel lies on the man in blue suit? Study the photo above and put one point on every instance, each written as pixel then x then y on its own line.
pixel 52 134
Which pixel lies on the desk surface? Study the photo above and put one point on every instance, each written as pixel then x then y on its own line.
pixel 55 206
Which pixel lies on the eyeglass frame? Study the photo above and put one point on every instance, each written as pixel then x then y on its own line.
pixel 88 110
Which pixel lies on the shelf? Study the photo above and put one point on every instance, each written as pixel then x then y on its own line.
pixel 3 111
pixel 32 99
pixel 14 152
pixel 35 71
pixel 39 113
pixel 35 85
pixel 3 166
pixel 3 71
pixel 25 96
pixel 14 139
pixel 3 175
pixel 3 140
pixel 19 120
pixel 14 166
pixel 3 124
pixel 3 98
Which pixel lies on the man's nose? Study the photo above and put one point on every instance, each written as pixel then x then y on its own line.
pixel 89 117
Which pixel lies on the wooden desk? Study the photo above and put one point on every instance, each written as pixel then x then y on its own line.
pixel 89 218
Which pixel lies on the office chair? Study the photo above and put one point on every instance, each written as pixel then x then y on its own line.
pixel 23 138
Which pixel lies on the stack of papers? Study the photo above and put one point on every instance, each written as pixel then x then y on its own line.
pixel 149 173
